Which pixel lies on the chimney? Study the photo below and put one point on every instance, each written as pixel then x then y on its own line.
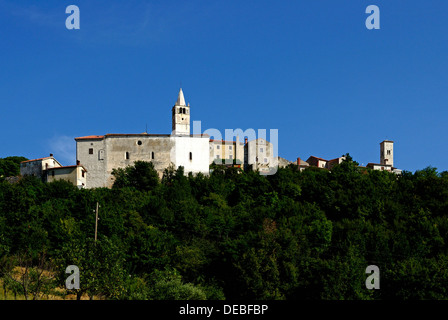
pixel 51 154
pixel 298 161
pixel 78 163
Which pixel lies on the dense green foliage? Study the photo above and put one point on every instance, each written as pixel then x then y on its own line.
pixel 10 166
pixel 293 235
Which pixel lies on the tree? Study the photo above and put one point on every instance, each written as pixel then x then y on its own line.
pixel 10 166
pixel 141 176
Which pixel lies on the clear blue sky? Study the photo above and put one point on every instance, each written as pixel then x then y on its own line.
pixel 310 69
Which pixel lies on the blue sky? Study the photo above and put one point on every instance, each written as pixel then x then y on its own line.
pixel 310 69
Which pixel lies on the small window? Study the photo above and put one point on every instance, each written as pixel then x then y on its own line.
pixel 191 156
pixel 152 155
pixel 139 142
pixel 218 157
pixel 83 173
pixel 388 152
pixel 91 151
pixel 261 149
pixel 230 147
pixel 218 147
pixel 231 157
pixel 265 160
pixel 127 155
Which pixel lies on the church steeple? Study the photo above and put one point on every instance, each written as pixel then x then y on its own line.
pixel 181 116
pixel 180 99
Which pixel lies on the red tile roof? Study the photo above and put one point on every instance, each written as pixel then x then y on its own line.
pixel 317 158
pixel 89 137
pixel 36 159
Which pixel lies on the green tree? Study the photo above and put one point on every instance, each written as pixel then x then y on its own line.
pixel 141 176
pixel 10 166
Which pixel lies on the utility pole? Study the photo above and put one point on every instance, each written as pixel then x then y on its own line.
pixel 96 221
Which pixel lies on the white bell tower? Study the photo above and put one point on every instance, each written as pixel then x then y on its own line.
pixel 181 116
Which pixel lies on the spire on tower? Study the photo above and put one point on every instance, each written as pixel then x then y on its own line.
pixel 180 99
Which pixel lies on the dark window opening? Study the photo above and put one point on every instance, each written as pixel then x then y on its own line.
pixel 191 156
pixel 91 151
pixel 152 155
pixel 139 143
pixel 83 173
pixel 127 155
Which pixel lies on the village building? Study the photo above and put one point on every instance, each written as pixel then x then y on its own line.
pixel 49 169
pixel 229 153
pixel 259 155
pixel 386 160
pixel 103 153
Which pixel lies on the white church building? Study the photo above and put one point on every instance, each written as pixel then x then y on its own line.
pixel 100 154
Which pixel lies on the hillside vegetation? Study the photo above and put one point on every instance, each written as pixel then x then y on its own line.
pixel 232 235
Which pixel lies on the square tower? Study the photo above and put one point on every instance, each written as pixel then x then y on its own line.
pixel 181 116
pixel 387 152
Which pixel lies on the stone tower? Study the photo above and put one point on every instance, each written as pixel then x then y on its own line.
pixel 181 116
pixel 387 152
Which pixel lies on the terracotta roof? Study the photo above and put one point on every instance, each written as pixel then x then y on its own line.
pixel 335 159
pixel 89 137
pixel 317 158
pixel 37 159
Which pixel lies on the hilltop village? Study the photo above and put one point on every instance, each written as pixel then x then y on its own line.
pixel 98 155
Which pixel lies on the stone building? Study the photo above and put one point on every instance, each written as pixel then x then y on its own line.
pixel 226 152
pixel 37 167
pixel 100 154
pixel 77 174
pixel 259 155
pixel 49 169
pixel 386 158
